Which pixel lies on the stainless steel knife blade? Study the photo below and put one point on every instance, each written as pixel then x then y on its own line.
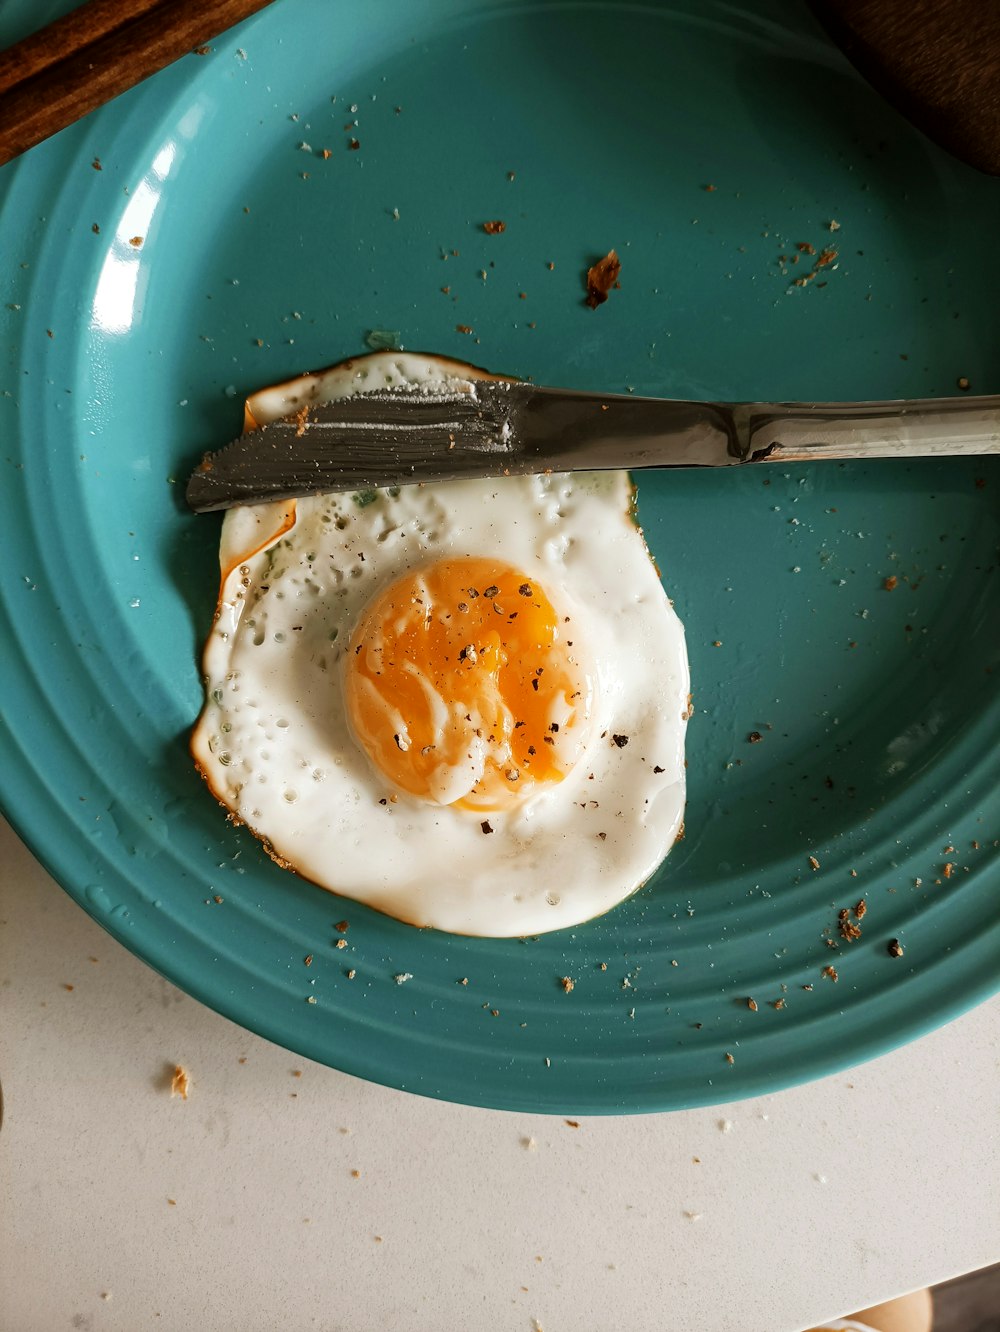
pixel 395 437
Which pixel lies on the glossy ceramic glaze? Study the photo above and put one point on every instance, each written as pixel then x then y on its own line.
pixel 702 141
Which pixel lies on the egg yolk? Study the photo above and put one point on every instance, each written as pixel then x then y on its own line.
pixel 464 686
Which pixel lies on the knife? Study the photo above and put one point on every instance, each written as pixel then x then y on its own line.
pixel 395 437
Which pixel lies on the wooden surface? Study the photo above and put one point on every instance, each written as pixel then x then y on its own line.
pixel 937 61
pixel 78 63
pixel 969 1303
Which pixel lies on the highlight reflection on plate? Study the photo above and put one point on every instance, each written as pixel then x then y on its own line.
pixel 255 259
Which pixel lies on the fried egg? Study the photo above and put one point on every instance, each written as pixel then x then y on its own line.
pixel 463 704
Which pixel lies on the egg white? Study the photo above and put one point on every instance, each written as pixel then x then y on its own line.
pixel 274 742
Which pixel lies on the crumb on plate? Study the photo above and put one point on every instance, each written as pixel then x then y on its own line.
pixel 601 277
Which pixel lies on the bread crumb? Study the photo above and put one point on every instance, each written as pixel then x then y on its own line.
pixel 529 1144
pixel 894 948
pixel 729 1058
pixel 180 1083
pixel 135 242
pixel 494 228
pixel 846 926
pixel 601 277
pixel 752 1005
pixel 830 973
pixel 401 977
pixel 567 982
pixel 891 583
pixel 814 862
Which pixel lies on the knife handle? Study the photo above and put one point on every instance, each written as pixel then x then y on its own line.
pixel 928 428
pixel 566 430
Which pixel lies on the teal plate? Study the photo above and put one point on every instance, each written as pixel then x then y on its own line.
pixel 703 141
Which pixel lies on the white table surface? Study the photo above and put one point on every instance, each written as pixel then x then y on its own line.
pixel 123 1208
